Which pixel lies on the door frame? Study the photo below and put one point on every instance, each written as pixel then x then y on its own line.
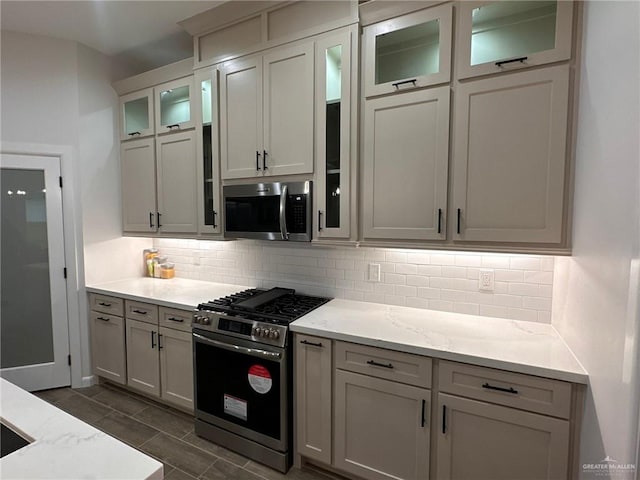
pixel 73 254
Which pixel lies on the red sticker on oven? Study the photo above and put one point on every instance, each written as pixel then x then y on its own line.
pixel 260 379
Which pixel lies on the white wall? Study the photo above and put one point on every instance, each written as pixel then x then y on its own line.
pixel 596 307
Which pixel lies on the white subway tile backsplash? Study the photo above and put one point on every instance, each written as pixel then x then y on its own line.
pixel 434 280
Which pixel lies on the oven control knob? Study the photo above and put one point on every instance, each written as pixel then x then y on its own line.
pixel 197 319
pixel 265 332
pixel 257 331
pixel 206 321
pixel 275 334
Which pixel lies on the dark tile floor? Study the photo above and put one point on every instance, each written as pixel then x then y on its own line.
pixel 163 433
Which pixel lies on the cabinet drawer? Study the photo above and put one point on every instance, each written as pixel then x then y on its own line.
pixel 377 362
pixel 176 319
pixel 145 312
pixel 105 304
pixel 542 395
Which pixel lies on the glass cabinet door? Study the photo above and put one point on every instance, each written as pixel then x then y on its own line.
pixel 410 51
pixel 136 114
pixel 333 67
pixel 501 36
pixel 173 106
pixel 206 112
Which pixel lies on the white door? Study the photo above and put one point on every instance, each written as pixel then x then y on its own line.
pixel 34 329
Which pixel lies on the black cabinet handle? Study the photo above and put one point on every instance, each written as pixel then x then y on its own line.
pixel 311 343
pixel 104 319
pixel 439 220
pixel 257 160
pixel 159 215
pixel 133 133
pixel 424 403
pixel 104 304
pixel 444 419
pixel 376 364
pixel 175 319
pixel 404 82
pixel 264 160
pixel 214 219
pixel 513 60
pixel 500 389
pixel 175 125
pixel 153 339
pixel 150 219
pixel 159 342
pixel 458 227
pixel 319 219
pixel 141 312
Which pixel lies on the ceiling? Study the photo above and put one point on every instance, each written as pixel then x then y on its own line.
pixel 142 34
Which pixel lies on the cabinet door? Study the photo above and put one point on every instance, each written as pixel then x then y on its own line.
pixel 288 111
pixel 241 118
pixel 207 151
pixel 333 136
pixel 177 192
pixel 481 440
pixel 406 153
pixel 136 114
pixel 410 51
pixel 313 397
pixel 138 163
pixel 173 105
pixel 176 367
pixel 143 365
pixel 108 347
pixel 509 157
pixel 381 428
pixel 495 37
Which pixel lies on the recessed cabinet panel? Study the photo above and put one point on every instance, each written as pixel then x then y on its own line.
pixel 136 114
pixel 499 36
pixel 143 372
pixel 176 365
pixel 509 157
pixel 173 105
pixel 108 347
pixel 410 51
pixel 405 165
pixel 177 197
pixel 138 167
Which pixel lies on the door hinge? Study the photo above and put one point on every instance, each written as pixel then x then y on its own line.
pixel 69 359
pixel 65 272
pixel 60 178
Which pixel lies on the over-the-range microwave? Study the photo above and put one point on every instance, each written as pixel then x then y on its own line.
pixel 268 211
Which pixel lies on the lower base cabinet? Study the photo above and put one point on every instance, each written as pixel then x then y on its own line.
pixel 108 347
pixel 478 440
pixel 143 372
pixel 176 367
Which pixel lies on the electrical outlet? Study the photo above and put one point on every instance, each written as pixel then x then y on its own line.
pixel 486 280
pixel 374 272
pixel 196 257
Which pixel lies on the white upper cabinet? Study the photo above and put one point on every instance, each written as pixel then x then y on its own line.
pixel 136 114
pixel 500 36
pixel 509 157
pixel 138 166
pixel 406 52
pixel 173 105
pixel 266 114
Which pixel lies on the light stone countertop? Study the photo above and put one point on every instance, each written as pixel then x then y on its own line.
pixel 64 447
pixel 517 346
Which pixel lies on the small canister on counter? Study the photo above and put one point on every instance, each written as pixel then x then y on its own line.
pixel 167 270
pixel 148 254
pixel 157 262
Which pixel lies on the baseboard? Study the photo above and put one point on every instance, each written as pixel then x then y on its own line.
pixel 88 381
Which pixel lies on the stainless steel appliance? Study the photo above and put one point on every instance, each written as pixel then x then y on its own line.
pixel 268 211
pixel 243 371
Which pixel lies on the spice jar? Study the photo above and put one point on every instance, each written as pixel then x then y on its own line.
pixel 167 270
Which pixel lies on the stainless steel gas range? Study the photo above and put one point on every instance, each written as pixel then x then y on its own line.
pixel 243 371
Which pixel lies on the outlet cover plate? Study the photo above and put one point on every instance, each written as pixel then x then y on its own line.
pixel 374 272
pixel 486 280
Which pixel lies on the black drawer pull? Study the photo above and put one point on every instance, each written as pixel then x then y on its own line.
pixel 103 319
pixel 404 82
pixel 264 160
pixel 385 365
pixel 171 127
pixel 500 389
pixel 257 160
pixel 513 60
pixel 439 220
pixel 311 343
pixel 160 341
pixel 153 339
pixel 150 219
pixel 319 219
pixel 133 133
pixel 458 226
pixel 176 319
pixel 214 219
pixel 444 419
pixel 141 312
pixel 424 403
pixel 104 304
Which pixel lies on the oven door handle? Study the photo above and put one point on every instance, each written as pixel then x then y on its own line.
pixel 283 213
pixel 237 348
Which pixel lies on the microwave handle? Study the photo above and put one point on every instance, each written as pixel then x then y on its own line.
pixel 283 211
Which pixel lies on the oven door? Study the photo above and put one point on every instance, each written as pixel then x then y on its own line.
pixel 241 386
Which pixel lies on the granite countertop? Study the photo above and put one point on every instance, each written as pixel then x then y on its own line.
pixel 517 346
pixel 64 447
pixel 174 293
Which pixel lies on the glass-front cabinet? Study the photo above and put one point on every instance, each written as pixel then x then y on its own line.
pixel 333 135
pixel 207 153
pixel 501 36
pixel 406 52
pixel 174 105
pixel 136 114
